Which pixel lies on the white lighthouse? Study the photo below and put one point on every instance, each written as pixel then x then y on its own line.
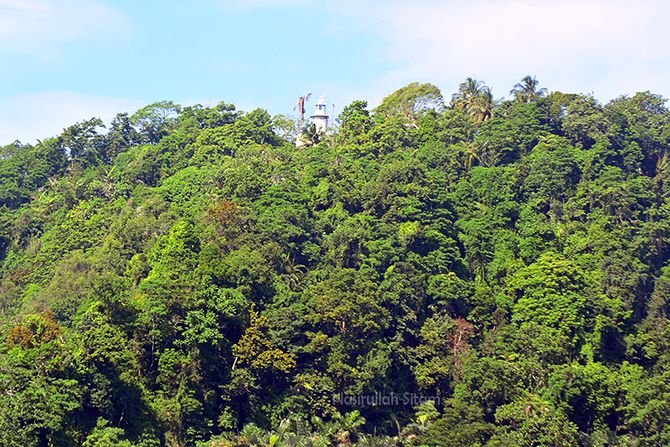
pixel 320 117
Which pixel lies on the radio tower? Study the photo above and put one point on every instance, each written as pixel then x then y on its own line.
pixel 300 106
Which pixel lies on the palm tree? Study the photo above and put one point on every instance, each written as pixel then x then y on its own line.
pixel 474 153
pixel 482 107
pixel 662 165
pixel 294 273
pixel 475 98
pixel 468 91
pixel 527 91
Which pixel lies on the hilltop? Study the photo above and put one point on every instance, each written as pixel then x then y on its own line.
pixel 486 273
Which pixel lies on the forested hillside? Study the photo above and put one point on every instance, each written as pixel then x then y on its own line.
pixel 440 272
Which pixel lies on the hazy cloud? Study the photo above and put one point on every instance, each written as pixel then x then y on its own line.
pixel 605 47
pixel 41 25
pixel 608 47
pixel 27 117
pixel 40 28
pixel 250 4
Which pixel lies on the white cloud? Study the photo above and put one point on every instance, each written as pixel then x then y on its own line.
pixel 253 4
pixel 42 25
pixel 28 117
pixel 603 46
pixel 42 28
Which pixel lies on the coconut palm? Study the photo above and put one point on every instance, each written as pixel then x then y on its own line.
pixel 475 98
pixel 468 91
pixel 473 152
pixel 662 165
pixel 527 91
pixel 482 107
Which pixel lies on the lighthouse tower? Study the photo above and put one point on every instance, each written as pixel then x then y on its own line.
pixel 320 117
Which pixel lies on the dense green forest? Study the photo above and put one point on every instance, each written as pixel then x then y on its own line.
pixel 431 272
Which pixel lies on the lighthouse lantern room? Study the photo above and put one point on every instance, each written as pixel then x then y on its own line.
pixel 320 117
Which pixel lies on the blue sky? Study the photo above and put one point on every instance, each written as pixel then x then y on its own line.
pixel 62 61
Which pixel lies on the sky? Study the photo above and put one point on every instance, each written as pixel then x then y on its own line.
pixel 64 61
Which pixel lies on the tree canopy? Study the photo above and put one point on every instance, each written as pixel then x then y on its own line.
pixel 481 273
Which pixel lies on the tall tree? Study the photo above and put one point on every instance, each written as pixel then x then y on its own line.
pixel 527 90
pixel 411 101
pixel 475 98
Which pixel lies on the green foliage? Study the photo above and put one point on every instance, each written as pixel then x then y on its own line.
pixel 461 424
pixel 190 278
pixel 105 436
pixel 355 123
pixel 411 101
